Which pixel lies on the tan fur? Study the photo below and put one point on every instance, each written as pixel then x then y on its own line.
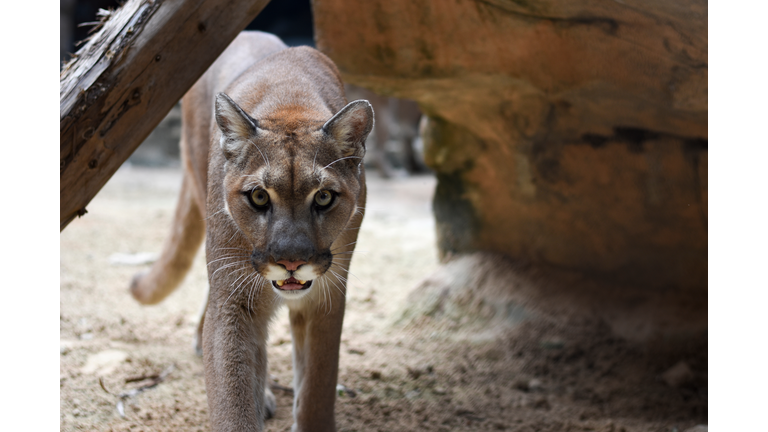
pixel 280 127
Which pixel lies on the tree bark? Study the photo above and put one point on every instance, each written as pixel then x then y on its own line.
pixel 126 79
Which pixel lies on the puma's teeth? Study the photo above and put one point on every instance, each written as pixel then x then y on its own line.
pixel 302 282
pixel 280 282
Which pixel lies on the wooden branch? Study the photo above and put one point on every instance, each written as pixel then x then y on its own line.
pixel 126 79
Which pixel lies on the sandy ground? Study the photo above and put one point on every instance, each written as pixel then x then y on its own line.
pixel 542 375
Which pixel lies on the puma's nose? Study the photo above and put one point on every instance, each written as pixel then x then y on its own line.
pixel 291 265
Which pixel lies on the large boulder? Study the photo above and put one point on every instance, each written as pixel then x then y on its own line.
pixel 566 134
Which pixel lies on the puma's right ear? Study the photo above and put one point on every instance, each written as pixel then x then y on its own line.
pixel 236 126
pixel 350 127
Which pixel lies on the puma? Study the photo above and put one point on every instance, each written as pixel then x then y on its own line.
pixel 273 176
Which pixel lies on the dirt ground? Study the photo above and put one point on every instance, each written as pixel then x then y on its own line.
pixel 541 375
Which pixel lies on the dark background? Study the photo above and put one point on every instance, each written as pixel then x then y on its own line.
pixel 291 20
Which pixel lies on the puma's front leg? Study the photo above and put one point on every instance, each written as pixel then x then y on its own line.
pixel 316 338
pixel 235 361
pixel 198 342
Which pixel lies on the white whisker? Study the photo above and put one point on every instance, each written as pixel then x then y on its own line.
pixel 329 299
pixel 334 263
pixel 337 287
pixel 341 159
pixel 315 159
pixel 234 234
pixel 253 290
pixel 276 299
pixel 348 272
pixel 228 266
pixel 357 252
pixel 238 287
pixel 227 257
pixel 339 247
pixel 254 183
pixel 338 276
pixel 214 214
pixel 262 154
pixel 235 248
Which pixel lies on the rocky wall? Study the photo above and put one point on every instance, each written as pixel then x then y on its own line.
pixel 567 134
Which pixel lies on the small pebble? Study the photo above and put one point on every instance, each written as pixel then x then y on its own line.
pixel 541 402
pixel 521 385
pixel 535 384
pixel 341 390
pixel 416 372
pixel 552 344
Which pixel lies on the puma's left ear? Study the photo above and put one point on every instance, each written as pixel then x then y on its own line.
pixel 236 126
pixel 350 127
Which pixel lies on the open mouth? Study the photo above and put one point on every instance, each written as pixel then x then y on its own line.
pixel 291 284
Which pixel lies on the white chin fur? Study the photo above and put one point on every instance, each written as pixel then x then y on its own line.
pixel 291 295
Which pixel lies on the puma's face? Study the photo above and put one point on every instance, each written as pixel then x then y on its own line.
pixel 291 187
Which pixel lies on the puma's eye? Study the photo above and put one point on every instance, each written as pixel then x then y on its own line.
pixel 323 198
pixel 259 197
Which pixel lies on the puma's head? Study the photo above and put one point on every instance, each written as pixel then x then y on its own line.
pixel 291 185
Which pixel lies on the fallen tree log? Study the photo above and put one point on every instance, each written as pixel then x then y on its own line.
pixel 126 79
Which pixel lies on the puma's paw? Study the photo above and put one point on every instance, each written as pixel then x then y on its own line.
pixel 135 289
pixel 270 403
pixel 197 344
